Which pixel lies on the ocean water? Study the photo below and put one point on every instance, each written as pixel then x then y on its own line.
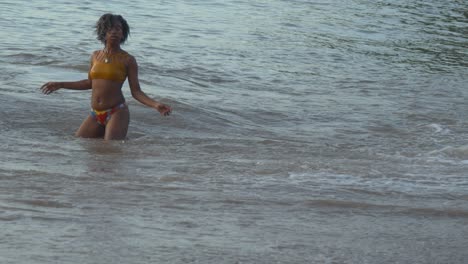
pixel 302 131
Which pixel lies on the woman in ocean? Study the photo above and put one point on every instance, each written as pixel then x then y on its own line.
pixel 109 117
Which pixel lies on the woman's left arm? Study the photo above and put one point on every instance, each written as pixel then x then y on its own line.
pixel 138 94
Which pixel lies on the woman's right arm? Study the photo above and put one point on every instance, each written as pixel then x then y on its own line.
pixel 51 87
pixel 85 84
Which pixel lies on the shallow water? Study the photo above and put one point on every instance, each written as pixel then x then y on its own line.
pixel 302 132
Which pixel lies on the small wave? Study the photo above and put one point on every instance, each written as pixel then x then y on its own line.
pixel 10 217
pixel 392 209
pixel 45 203
pixel 190 81
pixel 439 129
pixel 31 59
pixel 77 67
pixel 23 55
pixel 453 152
pixel 199 76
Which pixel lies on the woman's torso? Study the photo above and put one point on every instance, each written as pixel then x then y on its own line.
pixel 107 74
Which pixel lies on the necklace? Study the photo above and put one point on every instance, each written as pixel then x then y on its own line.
pixel 108 55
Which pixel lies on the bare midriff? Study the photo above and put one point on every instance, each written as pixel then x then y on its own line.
pixel 106 94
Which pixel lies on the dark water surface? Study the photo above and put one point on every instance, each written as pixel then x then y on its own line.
pixel 302 132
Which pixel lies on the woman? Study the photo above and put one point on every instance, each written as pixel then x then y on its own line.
pixel 109 68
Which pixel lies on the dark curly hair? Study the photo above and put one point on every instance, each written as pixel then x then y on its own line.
pixel 106 22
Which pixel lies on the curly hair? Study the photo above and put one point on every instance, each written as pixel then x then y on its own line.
pixel 106 22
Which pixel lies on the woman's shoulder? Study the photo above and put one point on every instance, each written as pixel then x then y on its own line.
pixel 126 53
pixel 95 54
pixel 130 58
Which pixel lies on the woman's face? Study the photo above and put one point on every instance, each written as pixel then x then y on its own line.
pixel 115 33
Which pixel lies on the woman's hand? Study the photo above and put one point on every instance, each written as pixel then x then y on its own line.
pixel 165 110
pixel 50 87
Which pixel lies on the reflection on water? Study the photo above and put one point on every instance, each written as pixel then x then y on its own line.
pixel 302 132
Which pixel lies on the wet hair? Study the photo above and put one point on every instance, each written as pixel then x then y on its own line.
pixel 106 22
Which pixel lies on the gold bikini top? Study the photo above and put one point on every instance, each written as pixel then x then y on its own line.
pixel 109 67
